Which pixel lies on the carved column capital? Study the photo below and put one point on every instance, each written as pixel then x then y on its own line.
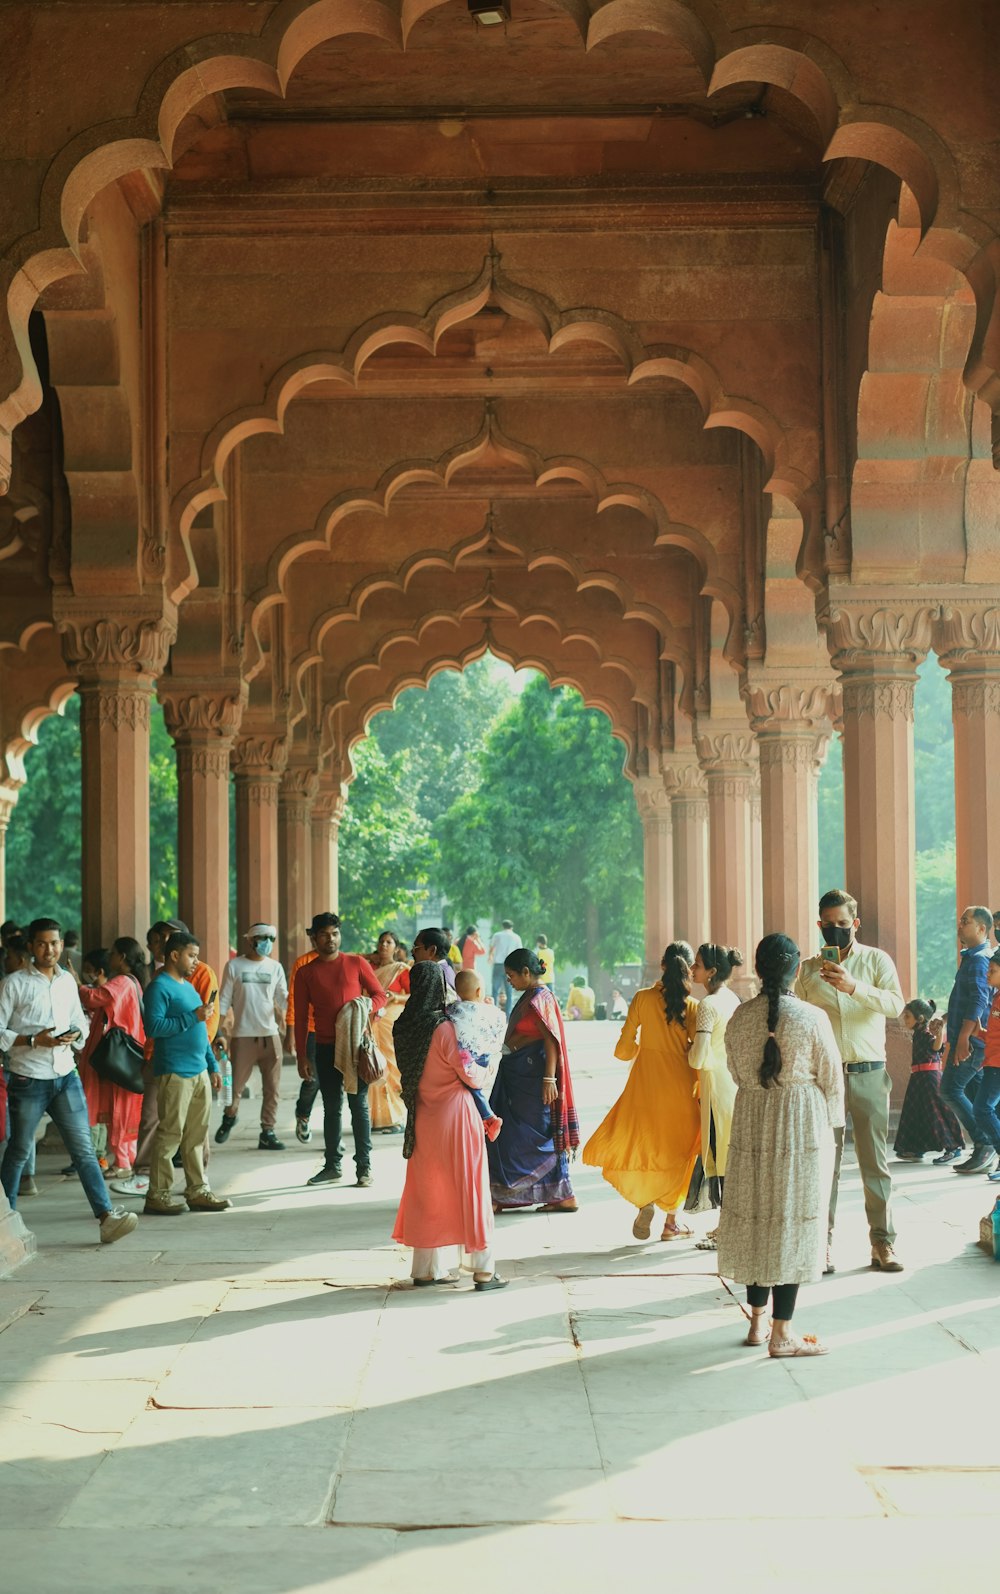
pixel 652 799
pixel 726 748
pixel 895 630
pixel 260 756
pixel 197 713
pixel 135 641
pixel 968 644
pixel 297 793
pixel 882 698
pixel 682 775
pixel 808 704
pixel 8 801
pixel 329 807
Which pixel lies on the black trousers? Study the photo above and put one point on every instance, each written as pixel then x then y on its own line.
pixel 308 1088
pixel 783 1295
pixel 331 1085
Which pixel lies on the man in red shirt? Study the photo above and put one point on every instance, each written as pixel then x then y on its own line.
pixel 322 988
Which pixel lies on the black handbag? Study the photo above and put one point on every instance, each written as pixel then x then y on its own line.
pixel 118 1059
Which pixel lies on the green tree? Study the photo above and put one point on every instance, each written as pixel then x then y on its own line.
pixel 387 854
pixel 442 726
pixel 550 836
pixel 162 822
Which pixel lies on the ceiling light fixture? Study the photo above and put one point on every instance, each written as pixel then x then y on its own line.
pixel 488 13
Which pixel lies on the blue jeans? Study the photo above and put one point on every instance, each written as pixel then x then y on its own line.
pixel 987 1119
pixel 63 1100
pixel 499 981
pixel 958 1089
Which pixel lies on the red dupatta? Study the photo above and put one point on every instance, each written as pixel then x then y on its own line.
pixel 535 1015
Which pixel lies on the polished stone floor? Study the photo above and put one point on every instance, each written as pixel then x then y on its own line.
pixel 257 1401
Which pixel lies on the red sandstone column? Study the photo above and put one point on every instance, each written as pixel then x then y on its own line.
pixel 756 872
pixel 968 644
pixel 258 763
pixel 203 726
pixel 653 801
pixel 118 660
pixel 728 759
pixel 791 723
pixel 325 826
pixel 296 796
pixel 689 815
pixel 876 650
pixel 8 798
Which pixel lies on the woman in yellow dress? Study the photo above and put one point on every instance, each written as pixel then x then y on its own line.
pixel 385 1099
pixel 648 1144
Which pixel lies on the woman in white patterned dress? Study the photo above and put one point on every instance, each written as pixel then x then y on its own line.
pixel 713 968
pixel 789 1099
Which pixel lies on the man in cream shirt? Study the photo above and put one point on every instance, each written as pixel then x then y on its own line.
pixel 858 990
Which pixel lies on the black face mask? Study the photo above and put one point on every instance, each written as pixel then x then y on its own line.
pixel 838 935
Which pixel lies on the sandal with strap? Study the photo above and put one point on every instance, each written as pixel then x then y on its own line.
pixel 759 1332
pixel 677 1232
pixel 808 1345
pixel 643 1223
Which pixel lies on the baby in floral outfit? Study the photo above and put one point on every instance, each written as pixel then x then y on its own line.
pixel 479 1030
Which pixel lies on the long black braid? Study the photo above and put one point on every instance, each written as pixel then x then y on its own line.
pixel 675 980
pixel 777 960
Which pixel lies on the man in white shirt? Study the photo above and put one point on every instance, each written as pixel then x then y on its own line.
pixel 42 1026
pixel 502 945
pixel 252 1002
pixel 858 987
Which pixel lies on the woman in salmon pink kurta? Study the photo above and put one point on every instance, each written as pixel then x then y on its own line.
pixel 446 1206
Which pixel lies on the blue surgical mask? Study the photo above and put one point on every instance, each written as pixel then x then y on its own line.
pixel 263 945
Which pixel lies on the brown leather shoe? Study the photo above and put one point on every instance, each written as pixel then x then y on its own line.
pixel 884 1258
pixel 157 1208
pixel 208 1203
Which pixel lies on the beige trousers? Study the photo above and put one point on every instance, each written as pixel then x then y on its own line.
pixel 184 1105
pixel 257 1051
pixel 867 1102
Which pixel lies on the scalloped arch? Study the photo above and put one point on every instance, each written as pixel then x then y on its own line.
pixel 267 62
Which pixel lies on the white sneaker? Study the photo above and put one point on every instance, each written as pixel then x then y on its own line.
pixel 136 1184
pixel 116 1224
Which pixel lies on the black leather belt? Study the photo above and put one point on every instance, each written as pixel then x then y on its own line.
pixel 862 1068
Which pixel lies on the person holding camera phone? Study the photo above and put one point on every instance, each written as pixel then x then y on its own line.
pixel 42 1026
pixel 858 988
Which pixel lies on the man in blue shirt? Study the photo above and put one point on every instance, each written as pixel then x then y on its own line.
pixel 968 1006
pixel 183 1067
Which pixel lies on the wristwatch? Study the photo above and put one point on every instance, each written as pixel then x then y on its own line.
pixel 31 1042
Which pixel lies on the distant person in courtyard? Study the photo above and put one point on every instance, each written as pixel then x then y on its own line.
pixel 445 1207
pixel 988 1093
pixel 581 1001
pixel 968 1009
pixel 42 1027
pixel 385 1097
pixel 308 1088
pixel 858 988
pixel 470 946
pixel 714 967
pixel 504 941
pixel 323 988
pixel 454 952
pixel 112 999
pixel 72 958
pixel 619 1007
pixel 253 998
pixel 480 1030
pixel 926 1122
pixel 432 945
pixel 10 931
pixel 648 1144
pixel 789 1105
pixel 186 1074
pixel 533 1094
pixel 547 959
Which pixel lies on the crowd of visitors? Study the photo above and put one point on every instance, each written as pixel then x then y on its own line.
pixel 738 1104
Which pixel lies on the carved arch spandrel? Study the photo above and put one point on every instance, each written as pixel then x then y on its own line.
pixel 442 472
pixel 210 65
pixel 789 458
pixel 34 684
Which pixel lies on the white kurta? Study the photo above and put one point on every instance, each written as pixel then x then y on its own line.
pixel 780 1169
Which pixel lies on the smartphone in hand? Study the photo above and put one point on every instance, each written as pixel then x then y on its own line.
pixel 831 954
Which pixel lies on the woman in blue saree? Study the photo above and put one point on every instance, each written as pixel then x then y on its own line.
pixel 533 1094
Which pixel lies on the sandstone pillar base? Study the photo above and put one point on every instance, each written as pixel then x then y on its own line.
pixel 17 1243
pixel 258 763
pixel 653 800
pixel 968 642
pixel 296 796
